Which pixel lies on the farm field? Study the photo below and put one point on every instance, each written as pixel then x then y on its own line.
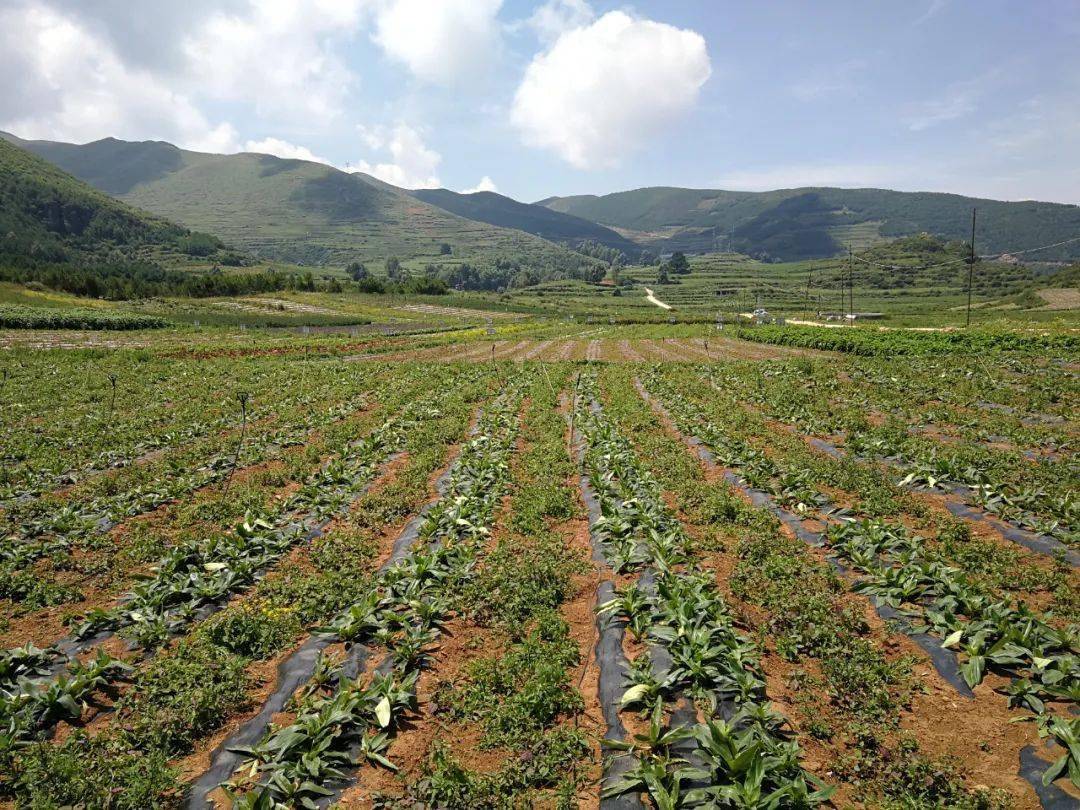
pixel 541 404
pixel 514 562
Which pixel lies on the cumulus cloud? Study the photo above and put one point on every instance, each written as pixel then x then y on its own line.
pixel 600 91
pixel 86 70
pixel 72 86
pixel 555 17
pixel 413 164
pixel 151 40
pixel 440 41
pixel 284 149
pixel 485 184
pixel 280 56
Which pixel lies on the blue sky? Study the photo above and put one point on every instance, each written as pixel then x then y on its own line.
pixel 544 97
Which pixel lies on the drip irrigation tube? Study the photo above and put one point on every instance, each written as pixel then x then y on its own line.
pixel 1039 543
pixel 944 661
pixel 70 647
pixel 610 658
pixel 297 669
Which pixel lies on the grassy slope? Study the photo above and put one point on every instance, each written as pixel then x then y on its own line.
pixel 290 210
pixel 496 209
pixel 820 219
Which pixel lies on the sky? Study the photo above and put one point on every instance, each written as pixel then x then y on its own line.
pixel 535 98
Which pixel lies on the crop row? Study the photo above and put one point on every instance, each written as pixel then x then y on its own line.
pixel 204 571
pixel 131 444
pixel 987 632
pixel 193 576
pixel 871 342
pixel 342 721
pixel 191 686
pixel 33 531
pixel 846 680
pixel 923 396
pixel 1038 498
pixel 739 754
pixel 16 317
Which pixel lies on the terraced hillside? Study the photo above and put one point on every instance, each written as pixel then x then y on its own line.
pixel 816 222
pixel 496 209
pixel 290 210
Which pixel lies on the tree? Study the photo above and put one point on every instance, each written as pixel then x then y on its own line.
pixel 616 272
pixel 678 264
pixel 662 275
pixel 357 271
pixel 393 268
pixel 445 249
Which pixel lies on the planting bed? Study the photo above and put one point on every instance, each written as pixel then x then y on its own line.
pixel 539 564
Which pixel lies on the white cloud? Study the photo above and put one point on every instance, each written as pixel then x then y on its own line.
pixel 959 100
pixel 602 90
pixel 76 88
pixel 83 71
pixel 413 165
pixel 555 17
pixel 279 56
pixel 440 41
pixel 284 149
pixel 485 184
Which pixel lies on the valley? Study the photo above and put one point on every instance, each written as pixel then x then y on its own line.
pixel 318 492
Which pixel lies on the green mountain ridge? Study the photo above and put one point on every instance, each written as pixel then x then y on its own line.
pixel 555 226
pixel 309 213
pixel 48 216
pixel 291 210
pixel 802 223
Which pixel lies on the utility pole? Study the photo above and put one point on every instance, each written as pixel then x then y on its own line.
pixel 971 266
pixel 809 279
pixel 842 280
pixel 851 292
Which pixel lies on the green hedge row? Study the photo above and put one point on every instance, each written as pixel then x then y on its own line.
pixel 18 317
pixel 874 342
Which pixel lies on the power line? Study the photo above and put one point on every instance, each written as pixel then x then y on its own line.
pixel 1031 250
pixel 984 257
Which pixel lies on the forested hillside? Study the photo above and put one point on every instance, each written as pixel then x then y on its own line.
pixel 49 216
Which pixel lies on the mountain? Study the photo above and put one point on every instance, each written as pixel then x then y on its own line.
pixel 291 210
pixel 48 216
pixel 804 223
pixel 555 226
